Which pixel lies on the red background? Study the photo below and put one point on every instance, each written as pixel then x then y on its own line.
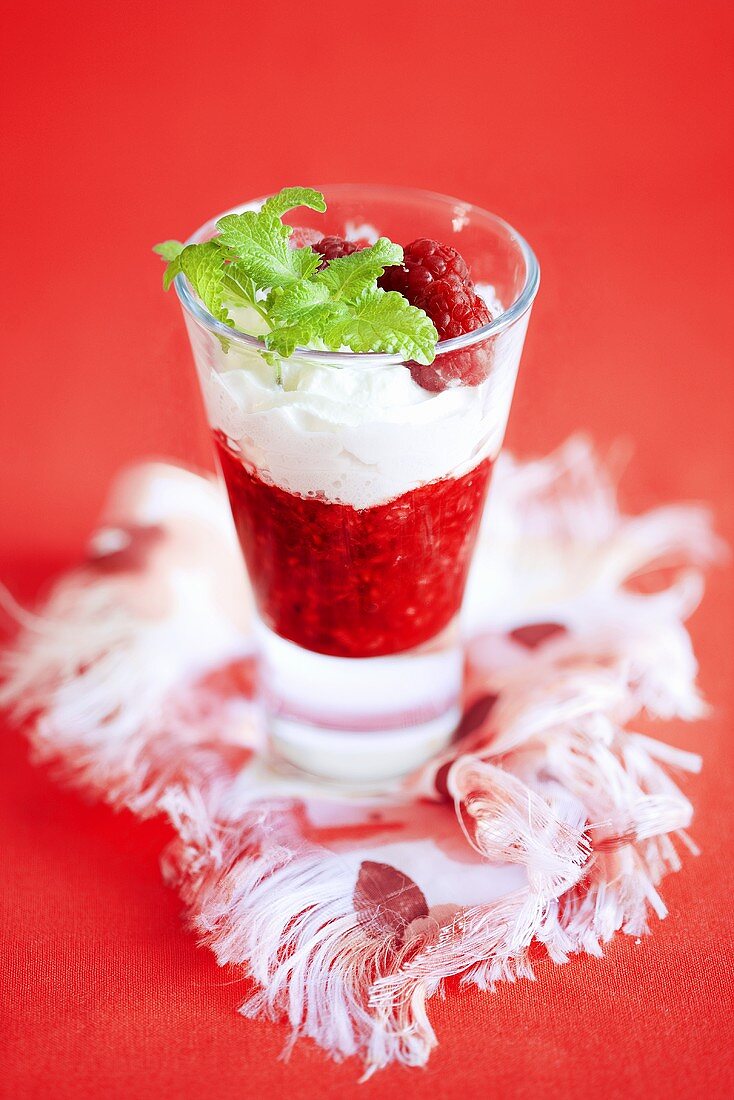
pixel 604 132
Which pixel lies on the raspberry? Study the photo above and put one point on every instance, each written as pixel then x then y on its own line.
pixel 455 308
pixel 424 262
pixel 333 248
pixel 435 278
pixel 454 368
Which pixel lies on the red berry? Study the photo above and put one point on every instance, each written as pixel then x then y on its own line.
pixel 435 278
pixel 333 248
pixel 454 368
pixel 455 308
pixel 424 262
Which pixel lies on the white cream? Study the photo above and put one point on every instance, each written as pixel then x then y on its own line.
pixel 354 435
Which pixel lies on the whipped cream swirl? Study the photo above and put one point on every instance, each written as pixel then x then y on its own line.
pixel 352 435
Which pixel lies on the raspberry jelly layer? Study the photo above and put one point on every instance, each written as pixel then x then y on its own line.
pixel 356 582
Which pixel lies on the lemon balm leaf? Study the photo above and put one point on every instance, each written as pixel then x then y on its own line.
pixel 290 198
pixel 306 261
pixel 260 242
pixel 384 321
pixel 339 307
pixel 346 277
pixel 303 327
pixel 202 265
pixel 285 306
pixel 286 338
pixel 239 287
pixel 169 250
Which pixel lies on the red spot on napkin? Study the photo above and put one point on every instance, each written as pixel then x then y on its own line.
pixel 386 900
pixel 535 634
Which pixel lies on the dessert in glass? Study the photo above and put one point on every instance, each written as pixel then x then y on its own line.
pixel 357 479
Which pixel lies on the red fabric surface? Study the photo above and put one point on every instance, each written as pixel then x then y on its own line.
pixel 605 135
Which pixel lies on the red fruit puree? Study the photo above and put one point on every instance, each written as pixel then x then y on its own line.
pixel 356 582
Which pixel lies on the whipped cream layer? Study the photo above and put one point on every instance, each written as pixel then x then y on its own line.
pixel 356 435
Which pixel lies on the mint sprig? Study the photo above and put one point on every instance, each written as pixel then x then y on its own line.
pixel 346 277
pixel 260 242
pixel 250 262
pixel 383 320
pixel 169 250
pixel 289 198
pixel 202 266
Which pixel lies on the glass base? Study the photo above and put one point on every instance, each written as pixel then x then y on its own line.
pixel 360 720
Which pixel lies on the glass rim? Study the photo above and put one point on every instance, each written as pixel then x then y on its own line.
pixel 506 319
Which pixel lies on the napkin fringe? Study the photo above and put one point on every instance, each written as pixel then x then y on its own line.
pixel 152 713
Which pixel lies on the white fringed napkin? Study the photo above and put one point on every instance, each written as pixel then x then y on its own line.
pixel 549 821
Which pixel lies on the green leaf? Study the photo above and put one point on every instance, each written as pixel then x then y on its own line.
pixel 169 250
pixel 339 307
pixel 305 261
pixel 286 305
pixel 298 314
pixel 260 241
pixel 291 197
pixel 172 270
pixel 237 283
pixel 287 338
pixel 202 266
pixel 383 321
pixel 378 321
pixel 305 328
pixel 348 276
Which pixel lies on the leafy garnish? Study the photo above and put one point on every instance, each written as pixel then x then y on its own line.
pixel 347 276
pixel 250 262
pixel 202 266
pixel 382 320
pixel 291 197
pixel 169 250
pixel 239 286
pixel 260 241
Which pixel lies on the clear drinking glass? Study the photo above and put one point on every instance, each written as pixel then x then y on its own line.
pixel 357 494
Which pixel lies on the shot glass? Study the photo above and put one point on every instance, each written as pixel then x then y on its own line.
pixel 357 490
